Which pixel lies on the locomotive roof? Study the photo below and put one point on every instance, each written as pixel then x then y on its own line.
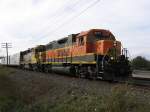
pixel 91 30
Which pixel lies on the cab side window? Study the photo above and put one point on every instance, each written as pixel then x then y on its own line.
pixel 81 41
pixel 98 35
pixel 74 41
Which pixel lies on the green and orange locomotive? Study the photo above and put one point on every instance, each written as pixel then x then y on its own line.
pixel 91 54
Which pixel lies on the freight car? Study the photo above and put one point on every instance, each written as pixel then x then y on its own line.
pixel 91 54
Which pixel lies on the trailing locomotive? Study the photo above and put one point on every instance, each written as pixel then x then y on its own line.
pixel 91 54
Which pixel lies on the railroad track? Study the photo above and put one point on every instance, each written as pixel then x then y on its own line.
pixel 139 81
pixel 140 77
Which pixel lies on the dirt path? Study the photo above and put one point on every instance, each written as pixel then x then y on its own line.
pixel 40 88
pixel 45 82
pixel 41 83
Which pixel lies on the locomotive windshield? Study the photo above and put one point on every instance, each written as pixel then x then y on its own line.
pixel 103 36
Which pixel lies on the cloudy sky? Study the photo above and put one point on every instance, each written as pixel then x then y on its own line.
pixel 26 23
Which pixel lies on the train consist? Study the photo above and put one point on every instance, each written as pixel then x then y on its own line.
pixel 91 54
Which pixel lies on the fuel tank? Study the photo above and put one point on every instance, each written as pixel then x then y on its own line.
pixel 62 70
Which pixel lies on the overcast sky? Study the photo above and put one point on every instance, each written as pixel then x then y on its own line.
pixel 26 23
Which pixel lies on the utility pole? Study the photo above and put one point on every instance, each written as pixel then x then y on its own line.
pixel 7 46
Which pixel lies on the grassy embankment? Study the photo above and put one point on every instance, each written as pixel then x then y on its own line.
pixel 8 90
pixel 121 99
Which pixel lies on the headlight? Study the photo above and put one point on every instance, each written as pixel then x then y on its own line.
pixel 111 58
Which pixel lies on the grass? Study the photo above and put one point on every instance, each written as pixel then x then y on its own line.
pixel 121 99
pixel 63 99
pixel 7 90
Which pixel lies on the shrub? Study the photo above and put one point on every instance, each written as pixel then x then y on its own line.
pixel 122 99
pixel 141 63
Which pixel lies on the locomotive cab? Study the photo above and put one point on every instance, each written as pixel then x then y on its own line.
pixel 102 41
pixel 110 63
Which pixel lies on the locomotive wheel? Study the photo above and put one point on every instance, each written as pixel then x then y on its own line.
pixel 47 68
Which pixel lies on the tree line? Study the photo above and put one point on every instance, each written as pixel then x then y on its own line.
pixel 141 63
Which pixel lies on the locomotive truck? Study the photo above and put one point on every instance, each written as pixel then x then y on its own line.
pixel 91 54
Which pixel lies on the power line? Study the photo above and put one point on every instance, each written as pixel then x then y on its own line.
pixel 71 19
pixel 57 15
pixel 61 15
pixel 54 18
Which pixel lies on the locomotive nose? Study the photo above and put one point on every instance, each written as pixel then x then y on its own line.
pixel 103 47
